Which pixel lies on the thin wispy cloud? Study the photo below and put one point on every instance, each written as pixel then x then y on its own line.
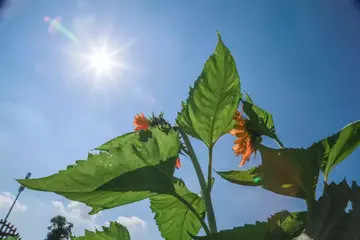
pixel 136 226
pixel 7 199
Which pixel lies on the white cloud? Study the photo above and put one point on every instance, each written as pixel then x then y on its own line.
pixel 77 213
pixel 134 224
pixel 7 199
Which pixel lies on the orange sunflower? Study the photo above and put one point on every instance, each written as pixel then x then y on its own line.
pixel 243 143
pixel 141 122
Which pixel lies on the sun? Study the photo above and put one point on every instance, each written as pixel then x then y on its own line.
pixel 102 61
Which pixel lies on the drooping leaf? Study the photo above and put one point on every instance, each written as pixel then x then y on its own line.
pixel 248 177
pixel 173 217
pixel 207 113
pixel 260 121
pixel 339 146
pixel 130 172
pixel 283 225
pixel 289 172
pixel 329 220
pixel 115 231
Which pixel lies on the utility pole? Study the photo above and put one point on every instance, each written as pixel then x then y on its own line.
pixel 21 189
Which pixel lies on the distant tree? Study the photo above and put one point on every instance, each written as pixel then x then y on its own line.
pixel 60 229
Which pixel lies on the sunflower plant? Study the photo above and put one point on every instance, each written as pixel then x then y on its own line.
pixel 141 164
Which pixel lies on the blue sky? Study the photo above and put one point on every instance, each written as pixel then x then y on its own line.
pixel 297 59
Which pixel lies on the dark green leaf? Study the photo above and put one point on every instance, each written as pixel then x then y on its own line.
pixel 114 232
pixel 173 217
pixel 260 121
pixel 283 225
pixel 329 220
pixel 212 102
pixel 336 148
pixel 290 172
pixel 130 172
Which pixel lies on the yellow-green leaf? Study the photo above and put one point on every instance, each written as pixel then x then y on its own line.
pixel 335 149
pixel 211 105
pixel 173 217
pixel 248 177
pixel 131 171
pixel 282 225
pixel 115 231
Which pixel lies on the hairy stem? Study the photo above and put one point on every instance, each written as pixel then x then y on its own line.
pixel 207 199
pixel 277 140
pixel 210 170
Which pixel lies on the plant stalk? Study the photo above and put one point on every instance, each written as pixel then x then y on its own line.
pixel 210 170
pixel 277 140
pixel 207 199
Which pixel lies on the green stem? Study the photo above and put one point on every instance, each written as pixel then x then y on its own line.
pixel 210 170
pixel 277 140
pixel 207 199
pixel 192 209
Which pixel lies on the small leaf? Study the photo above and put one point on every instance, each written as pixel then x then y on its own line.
pixel 289 172
pixel 173 217
pixel 260 121
pixel 212 102
pixel 114 232
pixel 339 146
pixel 129 172
pixel 248 231
pixel 244 177
pixel 282 225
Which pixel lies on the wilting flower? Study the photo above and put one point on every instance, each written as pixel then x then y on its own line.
pixel 141 122
pixel 178 163
pixel 243 143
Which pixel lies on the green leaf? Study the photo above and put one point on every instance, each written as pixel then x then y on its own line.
pixel 173 217
pixel 329 219
pixel 119 141
pixel 130 172
pixel 283 225
pixel 11 238
pixel 289 172
pixel 114 232
pixel 260 121
pixel 336 148
pixel 248 177
pixel 248 98
pixel 211 105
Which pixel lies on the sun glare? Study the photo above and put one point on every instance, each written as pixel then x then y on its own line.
pixel 103 61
